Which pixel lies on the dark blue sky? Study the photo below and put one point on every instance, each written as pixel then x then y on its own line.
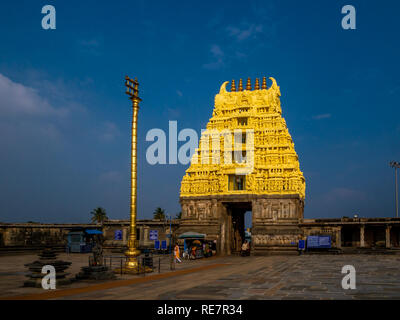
pixel 65 120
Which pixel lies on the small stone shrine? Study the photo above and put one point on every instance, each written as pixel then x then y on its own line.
pixel 96 270
pixel 47 257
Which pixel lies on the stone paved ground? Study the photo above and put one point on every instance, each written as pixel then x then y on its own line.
pixel 13 272
pixel 272 277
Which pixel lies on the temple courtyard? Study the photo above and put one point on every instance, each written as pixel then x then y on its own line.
pixel 232 277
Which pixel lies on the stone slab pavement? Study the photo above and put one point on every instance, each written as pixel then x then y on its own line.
pixel 271 277
pixel 13 272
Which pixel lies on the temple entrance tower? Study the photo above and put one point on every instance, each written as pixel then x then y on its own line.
pixel 245 161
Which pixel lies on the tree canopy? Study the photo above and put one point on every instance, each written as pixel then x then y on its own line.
pixel 99 215
pixel 159 214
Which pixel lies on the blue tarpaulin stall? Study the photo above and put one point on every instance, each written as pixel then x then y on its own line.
pixel 82 241
pixel 318 242
pixel 93 231
pixel 193 238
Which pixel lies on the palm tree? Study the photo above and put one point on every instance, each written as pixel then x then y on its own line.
pixel 159 214
pixel 99 215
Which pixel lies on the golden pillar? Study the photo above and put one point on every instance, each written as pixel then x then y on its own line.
pixel 132 265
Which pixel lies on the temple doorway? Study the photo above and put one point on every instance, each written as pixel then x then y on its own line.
pixel 350 236
pixel 237 225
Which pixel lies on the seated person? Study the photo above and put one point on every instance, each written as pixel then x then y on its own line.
pixel 245 249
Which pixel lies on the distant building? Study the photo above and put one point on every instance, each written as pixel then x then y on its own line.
pixel 20 236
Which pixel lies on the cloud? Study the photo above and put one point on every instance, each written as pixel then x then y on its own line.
pixel 50 135
pixel 245 32
pixel 90 46
pixel 29 118
pixel 215 20
pixel 394 90
pixel 214 65
pixel 322 116
pixel 216 51
pixel 173 113
pixel 110 177
pixel 109 132
pixel 218 56
pixel 248 31
pixel 18 100
pixel 92 43
pixel 240 55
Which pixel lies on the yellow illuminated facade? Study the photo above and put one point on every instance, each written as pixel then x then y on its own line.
pixel 246 147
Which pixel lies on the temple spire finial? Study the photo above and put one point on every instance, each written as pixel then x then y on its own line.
pixel 257 85
pixel 248 85
pixel 264 83
pixel 240 85
pixel 233 86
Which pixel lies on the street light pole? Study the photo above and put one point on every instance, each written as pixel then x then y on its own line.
pixel 170 234
pixel 396 165
pixel 397 194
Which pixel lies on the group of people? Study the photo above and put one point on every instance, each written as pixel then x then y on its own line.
pixel 191 252
pixel 207 250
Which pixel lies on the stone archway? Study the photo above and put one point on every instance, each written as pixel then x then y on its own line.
pixel 275 221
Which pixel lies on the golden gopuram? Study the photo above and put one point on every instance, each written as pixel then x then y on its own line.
pixel 245 161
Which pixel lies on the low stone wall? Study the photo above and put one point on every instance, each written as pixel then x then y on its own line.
pixel 36 235
pixel 33 235
pixel 267 238
pixel 356 232
pixel 331 231
pixel 143 232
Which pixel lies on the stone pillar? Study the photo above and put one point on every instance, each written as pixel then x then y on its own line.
pixel 104 229
pixel 339 237
pixel 228 234
pixel 388 244
pixel 124 235
pixel 223 239
pixel 146 231
pixel 7 237
pixel 362 236
pixel 141 233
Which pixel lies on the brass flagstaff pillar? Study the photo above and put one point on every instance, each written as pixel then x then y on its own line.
pixel 131 265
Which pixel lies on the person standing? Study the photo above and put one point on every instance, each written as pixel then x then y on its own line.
pixel 193 252
pixel 207 250
pixel 176 252
pixel 247 248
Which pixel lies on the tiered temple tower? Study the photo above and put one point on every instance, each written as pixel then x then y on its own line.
pixel 245 161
